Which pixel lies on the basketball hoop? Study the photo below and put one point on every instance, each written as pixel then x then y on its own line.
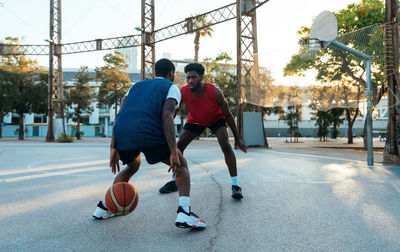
pixel 322 33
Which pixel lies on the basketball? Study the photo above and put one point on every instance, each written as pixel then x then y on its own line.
pixel 121 198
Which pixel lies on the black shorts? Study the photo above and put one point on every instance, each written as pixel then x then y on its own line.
pixel 153 155
pixel 199 129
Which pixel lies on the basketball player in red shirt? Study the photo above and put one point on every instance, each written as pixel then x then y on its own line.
pixel 208 108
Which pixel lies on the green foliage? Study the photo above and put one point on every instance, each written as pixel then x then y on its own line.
pixel 324 119
pixel 292 118
pixel 335 117
pixel 8 92
pixel 198 22
pixel 65 138
pixel 16 131
pixel 28 81
pixel 79 98
pixel 220 72
pixel 114 80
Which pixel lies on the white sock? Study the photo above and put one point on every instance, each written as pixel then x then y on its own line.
pixel 235 181
pixel 173 178
pixel 184 202
pixel 104 203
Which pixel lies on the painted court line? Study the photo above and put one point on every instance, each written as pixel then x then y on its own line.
pixel 321 157
pixel 53 167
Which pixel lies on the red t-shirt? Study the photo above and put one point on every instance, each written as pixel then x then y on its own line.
pixel 202 110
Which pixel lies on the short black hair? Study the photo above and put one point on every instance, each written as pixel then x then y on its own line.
pixel 163 67
pixel 195 67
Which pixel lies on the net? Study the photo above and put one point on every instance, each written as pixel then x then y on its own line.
pixel 341 76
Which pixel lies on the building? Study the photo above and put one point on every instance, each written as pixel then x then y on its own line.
pixel 132 58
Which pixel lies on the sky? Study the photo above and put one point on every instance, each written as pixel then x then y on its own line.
pixel 277 24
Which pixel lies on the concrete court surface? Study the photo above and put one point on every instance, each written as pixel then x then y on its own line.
pixel 297 197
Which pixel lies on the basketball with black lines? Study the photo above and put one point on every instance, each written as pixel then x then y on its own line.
pixel 121 198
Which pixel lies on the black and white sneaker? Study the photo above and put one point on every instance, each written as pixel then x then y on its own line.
pixel 101 212
pixel 169 187
pixel 237 192
pixel 188 220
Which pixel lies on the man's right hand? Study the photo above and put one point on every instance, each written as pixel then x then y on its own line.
pixel 114 160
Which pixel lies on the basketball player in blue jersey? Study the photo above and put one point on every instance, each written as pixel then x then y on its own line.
pixel 145 124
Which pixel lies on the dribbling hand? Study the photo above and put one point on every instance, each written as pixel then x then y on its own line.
pixel 175 164
pixel 114 160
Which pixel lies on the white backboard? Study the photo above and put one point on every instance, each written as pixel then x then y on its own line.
pixel 324 27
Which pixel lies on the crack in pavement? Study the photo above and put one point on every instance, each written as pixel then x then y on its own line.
pixel 219 212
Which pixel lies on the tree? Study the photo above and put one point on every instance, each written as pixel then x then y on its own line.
pixel 219 71
pixel 322 121
pixel 79 98
pixel 292 118
pixel 27 78
pixel 114 80
pixel 198 23
pixel 8 92
pixel 335 117
pixel 334 65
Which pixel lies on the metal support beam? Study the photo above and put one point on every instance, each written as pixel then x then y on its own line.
pixel 247 52
pixel 217 16
pixel 56 103
pixel 148 40
pixel 59 88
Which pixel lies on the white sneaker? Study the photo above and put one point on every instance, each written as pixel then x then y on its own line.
pixel 101 212
pixel 188 220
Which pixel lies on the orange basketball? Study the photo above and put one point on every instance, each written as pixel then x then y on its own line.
pixel 122 198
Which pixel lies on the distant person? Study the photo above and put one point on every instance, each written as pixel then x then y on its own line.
pixel 208 108
pixel 145 123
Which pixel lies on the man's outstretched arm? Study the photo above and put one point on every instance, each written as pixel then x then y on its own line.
pixel 223 104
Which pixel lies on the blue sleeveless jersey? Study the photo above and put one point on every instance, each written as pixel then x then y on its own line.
pixel 139 123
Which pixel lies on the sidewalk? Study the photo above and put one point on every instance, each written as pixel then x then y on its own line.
pixel 338 143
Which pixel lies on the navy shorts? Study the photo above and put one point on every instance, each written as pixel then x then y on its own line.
pixel 153 155
pixel 197 128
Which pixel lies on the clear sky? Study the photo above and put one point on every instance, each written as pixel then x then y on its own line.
pixel 277 23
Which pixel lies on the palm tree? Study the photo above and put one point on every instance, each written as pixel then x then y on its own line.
pixel 201 28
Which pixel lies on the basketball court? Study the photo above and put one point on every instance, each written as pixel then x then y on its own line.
pixel 296 197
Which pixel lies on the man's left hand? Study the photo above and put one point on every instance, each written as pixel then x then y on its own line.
pixel 239 144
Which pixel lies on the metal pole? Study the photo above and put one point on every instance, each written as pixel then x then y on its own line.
pixel 367 61
pixel 142 51
pixel 370 151
pixel 239 65
pixel 50 124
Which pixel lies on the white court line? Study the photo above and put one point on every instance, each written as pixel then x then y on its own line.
pixel 322 157
pixel 321 182
pixel 50 174
pixel 53 167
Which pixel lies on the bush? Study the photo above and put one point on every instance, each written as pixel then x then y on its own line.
pixel 16 131
pixel 65 138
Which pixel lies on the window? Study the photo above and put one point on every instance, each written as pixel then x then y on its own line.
pixel 85 120
pixel 40 119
